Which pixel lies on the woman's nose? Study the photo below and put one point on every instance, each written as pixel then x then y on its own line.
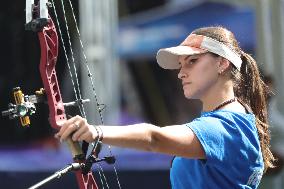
pixel 181 74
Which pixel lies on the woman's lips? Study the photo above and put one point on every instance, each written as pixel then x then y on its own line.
pixel 185 83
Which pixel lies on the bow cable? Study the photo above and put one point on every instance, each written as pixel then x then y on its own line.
pixel 90 76
pixel 76 88
pixel 100 107
pixel 91 79
pixel 74 79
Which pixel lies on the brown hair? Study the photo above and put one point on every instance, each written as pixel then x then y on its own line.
pixel 249 87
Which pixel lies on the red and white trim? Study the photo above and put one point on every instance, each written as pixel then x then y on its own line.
pixel 196 44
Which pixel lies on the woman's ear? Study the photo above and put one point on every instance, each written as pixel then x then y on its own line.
pixel 223 65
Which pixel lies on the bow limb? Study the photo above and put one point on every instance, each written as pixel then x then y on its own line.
pixel 49 51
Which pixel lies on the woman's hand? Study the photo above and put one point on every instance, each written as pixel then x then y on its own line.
pixel 79 129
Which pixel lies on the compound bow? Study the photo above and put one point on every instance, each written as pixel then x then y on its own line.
pixel 38 20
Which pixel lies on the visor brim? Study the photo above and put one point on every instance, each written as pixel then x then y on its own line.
pixel 168 58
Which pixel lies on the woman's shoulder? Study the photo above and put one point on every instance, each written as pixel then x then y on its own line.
pixel 227 114
pixel 226 119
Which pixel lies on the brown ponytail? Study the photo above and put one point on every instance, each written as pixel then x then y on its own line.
pixel 249 87
pixel 253 92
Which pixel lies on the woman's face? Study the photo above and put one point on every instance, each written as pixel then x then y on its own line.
pixel 198 73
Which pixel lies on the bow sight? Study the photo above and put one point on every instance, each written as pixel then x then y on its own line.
pixel 24 105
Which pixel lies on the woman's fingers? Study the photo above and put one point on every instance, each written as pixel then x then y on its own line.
pixel 78 128
pixel 70 129
pixel 86 136
pixel 87 133
pixel 82 129
pixel 71 126
pixel 66 124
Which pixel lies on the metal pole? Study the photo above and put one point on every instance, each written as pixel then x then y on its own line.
pixel 99 28
pixel 278 49
pixel 264 50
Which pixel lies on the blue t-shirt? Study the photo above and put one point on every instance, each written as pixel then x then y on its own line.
pixel 233 154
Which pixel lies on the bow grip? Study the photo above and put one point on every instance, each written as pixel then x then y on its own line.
pixel 75 149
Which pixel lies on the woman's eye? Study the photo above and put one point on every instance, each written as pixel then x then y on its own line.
pixel 192 61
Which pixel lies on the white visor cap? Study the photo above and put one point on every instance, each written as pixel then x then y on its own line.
pixel 196 44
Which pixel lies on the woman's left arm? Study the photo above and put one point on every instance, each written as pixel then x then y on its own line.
pixel 176 140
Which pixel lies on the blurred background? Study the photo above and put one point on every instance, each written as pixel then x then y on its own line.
pixel 121 38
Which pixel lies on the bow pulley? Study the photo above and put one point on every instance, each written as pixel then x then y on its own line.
pixel 36 15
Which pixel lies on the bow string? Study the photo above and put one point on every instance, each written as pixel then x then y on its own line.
pixel 100 107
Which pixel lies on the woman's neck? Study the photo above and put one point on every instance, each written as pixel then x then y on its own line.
pixel 217 96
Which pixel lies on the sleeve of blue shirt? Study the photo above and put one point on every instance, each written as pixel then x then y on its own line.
pixel 231 145
pixel 219 138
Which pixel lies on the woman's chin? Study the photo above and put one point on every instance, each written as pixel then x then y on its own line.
pixel 190 95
